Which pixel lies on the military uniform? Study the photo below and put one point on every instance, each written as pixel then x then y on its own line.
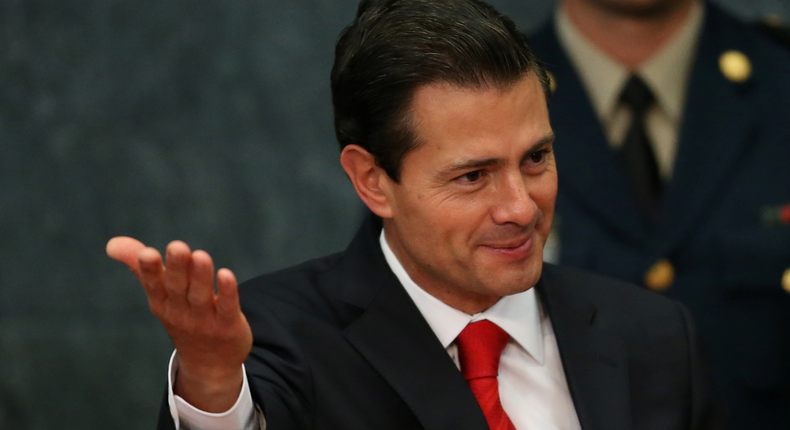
pixel 721 243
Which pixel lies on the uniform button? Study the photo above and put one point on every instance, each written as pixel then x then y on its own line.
pixel 786 280
pixel 735 66
pixel 661 276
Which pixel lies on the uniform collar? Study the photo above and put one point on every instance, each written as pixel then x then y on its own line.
pixel 666 72
pixel 519 314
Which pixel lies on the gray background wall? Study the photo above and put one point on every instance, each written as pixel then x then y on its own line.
pixel 204 120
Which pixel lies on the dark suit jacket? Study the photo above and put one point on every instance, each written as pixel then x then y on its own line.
pixel 733 164
pixel 339 344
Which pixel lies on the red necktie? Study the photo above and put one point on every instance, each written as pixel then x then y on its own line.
pixel 480 346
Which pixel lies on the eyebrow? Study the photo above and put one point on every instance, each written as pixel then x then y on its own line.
pixel 546 140
pixel 486 162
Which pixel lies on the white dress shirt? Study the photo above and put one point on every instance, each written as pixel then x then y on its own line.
pixel 239 417
pixel 532 385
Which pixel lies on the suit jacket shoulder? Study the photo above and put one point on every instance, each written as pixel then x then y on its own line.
pixel 630 340
pixel 617 299
pixel 338 343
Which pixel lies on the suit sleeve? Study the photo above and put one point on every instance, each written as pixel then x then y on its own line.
pixel 279 374
pixel 706 409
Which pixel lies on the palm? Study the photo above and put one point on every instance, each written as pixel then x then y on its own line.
pixel 208 329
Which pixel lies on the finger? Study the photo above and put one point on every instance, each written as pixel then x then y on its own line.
pixel 151 274
pixel 227 298
pixel 201 285
pixel 125 250
pixel 177 264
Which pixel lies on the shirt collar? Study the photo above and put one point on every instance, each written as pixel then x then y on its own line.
pixel 519 314
pixel 666 72
pixel 602 76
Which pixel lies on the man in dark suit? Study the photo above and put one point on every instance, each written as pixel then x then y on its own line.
pixel 684 189
pixel 440 313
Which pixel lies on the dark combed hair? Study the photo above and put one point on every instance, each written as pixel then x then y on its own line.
pixel 393 47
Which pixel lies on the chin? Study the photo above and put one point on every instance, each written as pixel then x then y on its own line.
pixel 517 282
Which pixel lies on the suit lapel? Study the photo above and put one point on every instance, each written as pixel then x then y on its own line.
pixel 588 169
pixel 594 361
pixel 709 148
pixel 396 340
pixel 391 334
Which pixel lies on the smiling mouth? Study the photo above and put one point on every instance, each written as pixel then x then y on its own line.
pixel 517 249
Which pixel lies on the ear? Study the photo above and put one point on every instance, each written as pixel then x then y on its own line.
pixel 369 180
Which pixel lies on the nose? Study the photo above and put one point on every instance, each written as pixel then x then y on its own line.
pixel 513 204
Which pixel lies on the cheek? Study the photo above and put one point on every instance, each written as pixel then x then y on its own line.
pixel 545 192
pixel 449 212
pixel 545 197
pixel 546 201
pixel 431 219
pixel 453 229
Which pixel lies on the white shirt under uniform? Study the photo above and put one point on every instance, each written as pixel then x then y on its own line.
pixel 532 384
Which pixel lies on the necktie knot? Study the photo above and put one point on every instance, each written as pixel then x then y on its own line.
pixel 480 347
pixel 637 95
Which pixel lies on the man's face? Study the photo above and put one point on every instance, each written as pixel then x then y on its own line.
pixel 475 202
pixel 638 8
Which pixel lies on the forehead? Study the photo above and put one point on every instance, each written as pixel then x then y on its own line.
pixel 450 119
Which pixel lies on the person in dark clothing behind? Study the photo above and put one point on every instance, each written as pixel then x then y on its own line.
pixel 673 142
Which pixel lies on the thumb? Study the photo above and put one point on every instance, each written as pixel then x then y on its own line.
pixel 125 250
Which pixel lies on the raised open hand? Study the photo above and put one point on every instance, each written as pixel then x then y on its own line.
pixel 208 329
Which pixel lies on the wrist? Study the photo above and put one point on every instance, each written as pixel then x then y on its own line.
pixel 209 388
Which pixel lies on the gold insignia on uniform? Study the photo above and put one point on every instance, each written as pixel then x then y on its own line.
pixel 552 82
pixel 786 280
pixel 735 66
pixel 661 276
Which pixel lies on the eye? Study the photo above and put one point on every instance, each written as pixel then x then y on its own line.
pixel 471 177
pixel 537 157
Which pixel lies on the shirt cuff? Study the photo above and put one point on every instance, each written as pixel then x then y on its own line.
pixel 185 416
